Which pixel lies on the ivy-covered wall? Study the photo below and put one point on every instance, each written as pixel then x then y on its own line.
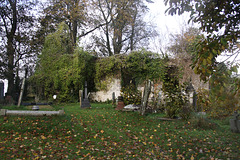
pixel 64 74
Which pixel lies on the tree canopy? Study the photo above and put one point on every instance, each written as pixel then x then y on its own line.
pixel 220 20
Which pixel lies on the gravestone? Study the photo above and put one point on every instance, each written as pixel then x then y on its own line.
pixel 113 99
pixel 80 97
pixel 120 104
pixel 146 93
pixel 192 95
pixel 85 103
pixel 1 90
pixel 235 123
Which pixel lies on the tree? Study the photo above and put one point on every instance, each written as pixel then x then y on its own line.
pixel 125 29
pixel 220 20
pixel 56 56
pixel 17 35
pixel 72 12
pixel 59 71
pixel 183 44
pixel 223 97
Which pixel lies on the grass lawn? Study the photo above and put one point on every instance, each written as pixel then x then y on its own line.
pixel 104 133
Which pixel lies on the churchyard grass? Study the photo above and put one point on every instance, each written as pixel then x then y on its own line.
pixel 102 132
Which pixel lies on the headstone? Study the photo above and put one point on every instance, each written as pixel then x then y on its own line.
pixel 235 123
pixel 113 99
pixel 80 97
pixel 146 93
pixel 1 90
pixel 192 95
pixel 85 103
pixel 120 104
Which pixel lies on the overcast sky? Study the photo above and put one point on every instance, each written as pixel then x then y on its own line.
pixel 163 20
pixel 165 24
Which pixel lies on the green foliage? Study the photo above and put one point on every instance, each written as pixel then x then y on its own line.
pixel 106 68
pixel 202 122
pixel 174 98
pixel 186 112
pixel 131 95
pixel 59 71
pixel 184 45
pixel 144 65
pixel 223 98
pixel 136 67
pixel 207 52
pixel 219 20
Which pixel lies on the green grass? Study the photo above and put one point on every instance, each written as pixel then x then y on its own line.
pixel 102 132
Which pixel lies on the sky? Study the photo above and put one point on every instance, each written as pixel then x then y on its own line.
pixel 164 21
pixel 165 24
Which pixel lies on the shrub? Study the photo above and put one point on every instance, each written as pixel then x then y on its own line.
pixel 131 95
pixel 201 122
pixel 218 105
pixel 174 99
pixel 185 112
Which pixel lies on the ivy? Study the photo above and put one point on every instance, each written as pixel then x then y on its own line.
pixel 135 67
pixel 61 71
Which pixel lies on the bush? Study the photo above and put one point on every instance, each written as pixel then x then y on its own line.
pixel 185 112
pixel 131 95
pixel 201 122
pixel 218 105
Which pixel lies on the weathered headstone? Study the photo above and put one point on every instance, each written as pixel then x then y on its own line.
pixel 235 123
pixel 1 90
pixel 146 93
pixel 113 99
pixel 192 95
pixel 120 104
pixel 85 103
pixel 80 97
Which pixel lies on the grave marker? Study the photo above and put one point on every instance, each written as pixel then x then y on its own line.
pixel 192 95
pixel 80 97
pixel 120 105
pixel 85 103
pixel 113 99
pixel 146 93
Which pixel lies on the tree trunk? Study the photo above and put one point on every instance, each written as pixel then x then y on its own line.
pixel 146 93
pixel 11 50
pixel 108 42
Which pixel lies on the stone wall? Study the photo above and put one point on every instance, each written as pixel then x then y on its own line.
pixel 187 74
pixel 103 96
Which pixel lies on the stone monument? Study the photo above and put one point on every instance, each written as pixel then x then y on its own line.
pixel 85 102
